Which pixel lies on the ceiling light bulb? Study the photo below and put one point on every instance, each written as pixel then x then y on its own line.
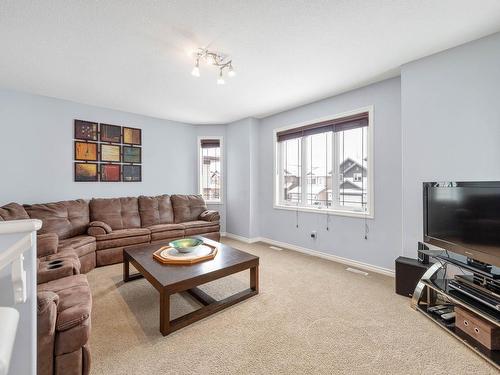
pixel 220 80
pixel 196 70
pixel 231 72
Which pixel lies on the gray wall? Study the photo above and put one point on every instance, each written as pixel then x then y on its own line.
pixel 37 151
pixel 254 167
pixel 242 177
pixel 451 123
pixel 346 235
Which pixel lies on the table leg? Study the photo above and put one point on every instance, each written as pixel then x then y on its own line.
pixel 164 312
pixel 126 268
pixel 254 278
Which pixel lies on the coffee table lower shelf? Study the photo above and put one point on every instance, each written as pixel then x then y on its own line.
pixel 210 305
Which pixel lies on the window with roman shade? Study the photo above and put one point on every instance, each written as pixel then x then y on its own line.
pixel 326 165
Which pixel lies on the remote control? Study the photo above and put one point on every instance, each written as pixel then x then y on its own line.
pixel 444 311
pixel 448 316
pixel 437 307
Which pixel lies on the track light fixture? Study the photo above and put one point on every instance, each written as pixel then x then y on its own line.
pixel 215 59
pixel 220 80
pixel 196 70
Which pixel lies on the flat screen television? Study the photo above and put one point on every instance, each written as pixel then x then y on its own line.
pixel 464 218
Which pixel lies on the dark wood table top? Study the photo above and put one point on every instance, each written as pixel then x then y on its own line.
pixel 228 260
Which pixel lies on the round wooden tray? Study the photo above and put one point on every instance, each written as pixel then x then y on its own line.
pixel 168 255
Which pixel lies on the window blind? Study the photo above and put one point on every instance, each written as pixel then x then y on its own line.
pixel 210 143
pixel 358 120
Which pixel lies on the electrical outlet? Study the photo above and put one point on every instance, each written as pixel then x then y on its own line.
pixel 314 234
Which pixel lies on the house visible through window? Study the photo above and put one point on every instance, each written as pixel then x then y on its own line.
pixel 210 169
pixel 334 157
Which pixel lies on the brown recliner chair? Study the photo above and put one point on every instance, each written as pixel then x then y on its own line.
pixel 64 307
pixel 64 304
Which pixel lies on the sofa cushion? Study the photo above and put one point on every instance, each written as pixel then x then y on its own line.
pixel 13 211
pixel 199 224
pixel 201 230
pixel 192 228
pixel 73 312
pixel 123 237
pixel 156 210
pixel 66 219
pixel 118 213
pixel 187 207
pixel 82 245
pixel 166 231
pixel 46 244
pixel 165 227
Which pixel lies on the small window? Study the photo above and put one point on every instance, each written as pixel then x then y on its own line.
pixel 357 177
pixel 210 169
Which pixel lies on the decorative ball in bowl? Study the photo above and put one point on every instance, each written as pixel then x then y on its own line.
pixel 186 245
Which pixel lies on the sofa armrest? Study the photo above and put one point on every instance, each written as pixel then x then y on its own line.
pixel 46 330
pixel 97 228
pixel 210 215
pixel 47 244
pixel 57 268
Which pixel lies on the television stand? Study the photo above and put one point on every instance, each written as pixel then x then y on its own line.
pixel 438 291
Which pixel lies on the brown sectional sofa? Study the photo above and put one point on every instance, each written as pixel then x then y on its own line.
pixel 78 235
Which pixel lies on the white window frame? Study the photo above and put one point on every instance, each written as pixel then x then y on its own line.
pixel 200 168
pixel 277 178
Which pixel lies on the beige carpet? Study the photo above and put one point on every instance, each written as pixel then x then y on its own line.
pixel 311 317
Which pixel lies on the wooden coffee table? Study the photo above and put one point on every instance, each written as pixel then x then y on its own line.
pixel 171 279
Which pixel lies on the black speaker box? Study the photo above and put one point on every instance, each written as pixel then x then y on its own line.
pixel 408 273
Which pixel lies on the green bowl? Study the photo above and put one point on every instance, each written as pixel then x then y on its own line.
pixel 185 245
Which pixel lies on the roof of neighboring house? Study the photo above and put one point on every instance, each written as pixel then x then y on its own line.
pixel 347 184
pixel 351 164
pixel 292 173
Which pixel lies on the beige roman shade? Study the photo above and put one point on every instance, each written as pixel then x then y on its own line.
pixel 358 120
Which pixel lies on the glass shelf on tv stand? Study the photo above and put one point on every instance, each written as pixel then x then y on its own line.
pixel 433 289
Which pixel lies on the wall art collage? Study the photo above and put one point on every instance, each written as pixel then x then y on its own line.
pixel 107 153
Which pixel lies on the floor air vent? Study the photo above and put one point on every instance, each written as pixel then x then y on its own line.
pixel 359 272
pixel 275 248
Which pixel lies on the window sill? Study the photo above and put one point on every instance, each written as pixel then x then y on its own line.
pixel 325 211
pixel 215 203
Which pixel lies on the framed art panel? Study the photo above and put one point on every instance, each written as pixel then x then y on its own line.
pixel 110 173
pixel 86 130
pixel 131 173
pixel 86 172
pixel 110 153
pixel 132 136
pixel 85 151
pixel 132 154
pixel 111 133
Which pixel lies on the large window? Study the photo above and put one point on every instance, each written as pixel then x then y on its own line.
pixel 210 168
pixel 326 165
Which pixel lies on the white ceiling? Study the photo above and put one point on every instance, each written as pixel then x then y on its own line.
pixel 134 55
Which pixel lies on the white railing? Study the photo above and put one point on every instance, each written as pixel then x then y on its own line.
pixel 13 256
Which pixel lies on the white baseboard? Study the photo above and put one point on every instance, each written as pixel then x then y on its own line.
pixel 316 253
pixel 240 238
